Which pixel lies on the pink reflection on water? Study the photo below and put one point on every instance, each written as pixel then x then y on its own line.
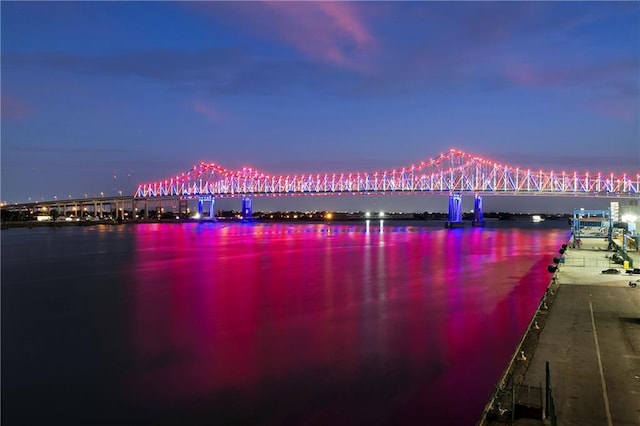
pixel 331 317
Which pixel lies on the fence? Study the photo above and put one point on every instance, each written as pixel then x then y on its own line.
pixel 520 401
pixel 527 402
pixel 582 262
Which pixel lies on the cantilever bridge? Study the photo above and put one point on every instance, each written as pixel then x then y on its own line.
pixel 453 171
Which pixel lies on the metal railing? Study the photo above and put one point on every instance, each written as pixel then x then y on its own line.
pixel 591 262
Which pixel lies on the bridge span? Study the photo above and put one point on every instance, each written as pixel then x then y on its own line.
pixel 452 173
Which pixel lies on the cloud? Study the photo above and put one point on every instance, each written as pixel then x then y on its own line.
pixel 14 108
pixel 213 71
pixel 331 33
pixel 419 48
pixel 208 111
pixel 326 31
pixel 620 108
pixel 528 74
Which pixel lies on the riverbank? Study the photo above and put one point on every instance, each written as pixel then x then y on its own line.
pixel 587 328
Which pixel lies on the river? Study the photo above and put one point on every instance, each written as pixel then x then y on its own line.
pixel 265 324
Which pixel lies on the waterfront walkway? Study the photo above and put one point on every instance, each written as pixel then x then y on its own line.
pixel 588 329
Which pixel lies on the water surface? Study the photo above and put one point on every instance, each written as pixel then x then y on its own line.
pixel 264 324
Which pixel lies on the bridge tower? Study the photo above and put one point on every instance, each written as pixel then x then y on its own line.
pixel 201 201
pixel 247 208
pixel 455 212
pixel 478 219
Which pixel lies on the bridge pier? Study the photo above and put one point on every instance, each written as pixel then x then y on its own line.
pixel 119 210
pixel 183 208
pixel 212 202
pixel 247 208
pixel 478 219
pixel 455 212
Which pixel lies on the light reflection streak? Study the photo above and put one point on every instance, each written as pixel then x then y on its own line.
pixel 222 307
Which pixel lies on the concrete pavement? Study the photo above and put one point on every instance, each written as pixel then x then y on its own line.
pixel 590 335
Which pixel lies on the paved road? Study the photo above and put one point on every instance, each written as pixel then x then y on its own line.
pixel 590 335
pixel 591 339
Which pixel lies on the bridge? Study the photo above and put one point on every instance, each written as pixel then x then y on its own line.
pixel 453 172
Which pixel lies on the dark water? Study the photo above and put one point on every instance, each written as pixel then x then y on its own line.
pixel 264 324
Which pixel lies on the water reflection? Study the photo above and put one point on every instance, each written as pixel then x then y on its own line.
pixel 317 324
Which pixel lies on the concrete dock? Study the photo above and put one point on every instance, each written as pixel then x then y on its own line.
pixel 587 328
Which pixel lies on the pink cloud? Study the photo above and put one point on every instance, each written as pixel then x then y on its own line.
pixel 331 32
pixel 621 109
pixel 526 75
pixel 345 17
pixel 208 111
pixel 14 108
pixel 323 31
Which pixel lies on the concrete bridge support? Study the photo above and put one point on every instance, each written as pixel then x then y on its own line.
pixel 478 219
pixel 247 208
pixel 183 208
pixel 212 201
pixel 119 209
pixel 455 212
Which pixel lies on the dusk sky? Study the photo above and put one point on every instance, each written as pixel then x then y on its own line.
pixel 100 96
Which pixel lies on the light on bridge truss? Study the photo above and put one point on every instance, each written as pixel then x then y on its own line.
pixel 451 171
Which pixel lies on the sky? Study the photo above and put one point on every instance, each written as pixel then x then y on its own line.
pixel 98 97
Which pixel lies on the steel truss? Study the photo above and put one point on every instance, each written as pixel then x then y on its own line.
pixel 453 171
